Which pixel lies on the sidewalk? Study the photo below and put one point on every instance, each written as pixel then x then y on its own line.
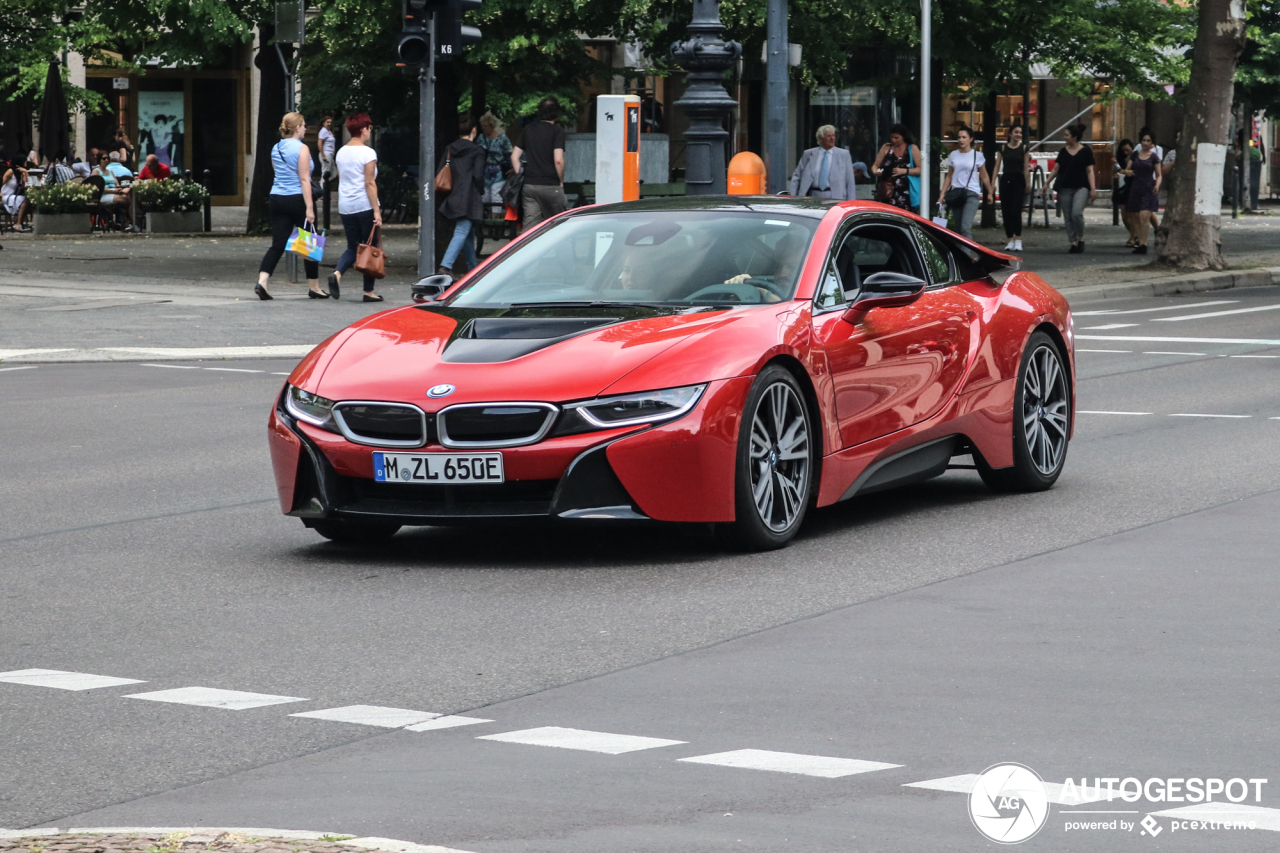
pixel 131 297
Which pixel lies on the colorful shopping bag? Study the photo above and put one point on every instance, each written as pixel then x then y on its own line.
pixel 306 242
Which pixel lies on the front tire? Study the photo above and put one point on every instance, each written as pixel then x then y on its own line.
pixel 773 484
pixel 345 532
pixel 1041 421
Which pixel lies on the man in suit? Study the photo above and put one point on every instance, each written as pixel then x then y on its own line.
pixel 825 171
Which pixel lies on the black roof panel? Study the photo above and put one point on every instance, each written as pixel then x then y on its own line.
pixel 814 208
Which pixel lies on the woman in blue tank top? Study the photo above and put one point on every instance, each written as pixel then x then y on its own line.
pixel 290 204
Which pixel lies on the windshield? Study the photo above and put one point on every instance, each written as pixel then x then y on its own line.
pixel 656 257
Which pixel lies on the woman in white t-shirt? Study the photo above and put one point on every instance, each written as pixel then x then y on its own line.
pixel 966 177
pixel 357 199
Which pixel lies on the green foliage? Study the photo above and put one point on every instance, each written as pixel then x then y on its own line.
pixel 169 194
pixel 1258 74
pixel 63 198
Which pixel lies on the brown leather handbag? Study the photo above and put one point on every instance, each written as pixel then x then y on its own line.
pixel 444 179
pixel 370 259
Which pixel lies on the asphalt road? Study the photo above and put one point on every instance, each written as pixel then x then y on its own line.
pixel 1120 625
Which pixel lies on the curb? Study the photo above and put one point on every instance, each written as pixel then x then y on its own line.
pixel 207 834
pixel 1197 282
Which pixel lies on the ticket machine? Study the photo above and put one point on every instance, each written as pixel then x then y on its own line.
pixel 617 148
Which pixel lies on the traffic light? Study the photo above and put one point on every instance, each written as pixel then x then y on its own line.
pixel 451 34
pixel 413 46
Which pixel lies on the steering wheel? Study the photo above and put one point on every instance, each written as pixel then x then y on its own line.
pixel 743 292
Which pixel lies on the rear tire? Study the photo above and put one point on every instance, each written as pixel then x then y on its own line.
pixel 1041 421
pixel 774 474
pixel 346 532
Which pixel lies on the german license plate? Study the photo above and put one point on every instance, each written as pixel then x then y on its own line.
pixel 438 468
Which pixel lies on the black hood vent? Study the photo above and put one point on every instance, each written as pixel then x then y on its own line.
pixel 486 340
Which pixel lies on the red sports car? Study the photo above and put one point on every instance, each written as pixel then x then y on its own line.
pixel 726 360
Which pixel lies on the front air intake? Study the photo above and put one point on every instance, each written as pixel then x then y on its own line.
pixel 494 424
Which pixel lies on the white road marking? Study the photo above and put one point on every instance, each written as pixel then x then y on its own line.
pixel 212 697
pixel 1255 356
pixel 580 739
pixel 234 370
pixel 280 374
pixel 1104 350
pixel 370 715
pixel 448 722
pixel 1111 326
pixel 1153 310
pixel 1087 412
pixel 64 680
pixel 28 367
pixel 374 843
pixel 1261 342
pixel 1264 818
pixel 964 785
pixel 1200 415
pixel 791 762
pixel 1170 352
pixel 1216 314
pixel 172 366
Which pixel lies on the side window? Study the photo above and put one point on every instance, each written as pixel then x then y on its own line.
pixel 840 282
pixel 884 248
pixel 936 259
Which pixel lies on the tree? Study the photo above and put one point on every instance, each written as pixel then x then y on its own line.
pixel 1191 236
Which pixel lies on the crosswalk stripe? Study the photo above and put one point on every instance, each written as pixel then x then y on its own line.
pixel 212 697
pixel 448 722
pixel 370 715
pixel 64 680
pixel 964 784
pixel 562 738
pixel 1264 818
pixel 791 762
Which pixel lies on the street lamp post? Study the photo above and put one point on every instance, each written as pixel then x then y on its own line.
pixel 706 56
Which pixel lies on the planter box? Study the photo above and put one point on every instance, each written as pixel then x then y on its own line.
pixel 175 222
pixel 60 223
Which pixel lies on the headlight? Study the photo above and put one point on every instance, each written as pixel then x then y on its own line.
pixel 646 407
pixel 311 408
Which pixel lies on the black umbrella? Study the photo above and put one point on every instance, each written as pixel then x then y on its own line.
pixel 15 116
pixel 55 124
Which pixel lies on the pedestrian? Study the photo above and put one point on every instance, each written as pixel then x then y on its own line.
pixel 114 195
pixel 463 205
pixel 542 146
pixel 154 170
pixel 965 180
pixel 897 168
pixel 357 165
pixel 59 172
pixel 115 163
pixel 498 150
pixel 13 195
pixel 120 144
pixel 328 147
pixel 1013 185
pixel 1073 179
pixel 290 204
pixel 1120 196
pixel 824 171
pixel 1144 194
pixel 84 168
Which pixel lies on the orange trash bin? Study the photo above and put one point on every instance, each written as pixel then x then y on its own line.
pixel 746 174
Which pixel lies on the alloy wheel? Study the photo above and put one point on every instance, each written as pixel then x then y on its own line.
pixel 779 457
pixel 1045 409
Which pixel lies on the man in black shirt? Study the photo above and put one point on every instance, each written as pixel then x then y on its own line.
pixel 541 144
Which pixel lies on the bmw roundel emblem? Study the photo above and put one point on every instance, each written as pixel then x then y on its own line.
pixel 440 391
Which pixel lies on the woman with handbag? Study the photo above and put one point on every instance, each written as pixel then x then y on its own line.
pixel 897 170
pixel 289 206
pixel 465 162
pixel 965 180
pixel 357 164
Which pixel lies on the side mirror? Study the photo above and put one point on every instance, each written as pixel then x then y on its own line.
pixel 430 287
pixel 885 290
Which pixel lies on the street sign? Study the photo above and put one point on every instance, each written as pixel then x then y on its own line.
pixel 291 22
pixel 119 82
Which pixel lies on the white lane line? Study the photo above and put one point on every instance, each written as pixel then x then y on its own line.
pixel 370 715
pixel 212 697
pixel 1087 412
pixel 791 762
pixel 1231 813
pixel 28 367
pixel 1216 314
pixel 964 785
pixel 1255 356
pixel 171 366
pixel 451 721
pixel 280 374
pixel 234 370
pixel 64 680
pixel 1261 342
pixel 579 739
pixel 1110 326
pixel 1104 350
pixel 1153 310
pixel 1201 415
pixel 1169 352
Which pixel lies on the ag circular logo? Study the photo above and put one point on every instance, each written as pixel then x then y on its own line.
pixel 1008 803
pixel 440 391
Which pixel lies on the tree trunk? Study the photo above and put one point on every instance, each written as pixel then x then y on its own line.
pixel 1191 239
pixel 271 107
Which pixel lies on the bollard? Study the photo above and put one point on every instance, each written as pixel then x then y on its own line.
pixel 208 205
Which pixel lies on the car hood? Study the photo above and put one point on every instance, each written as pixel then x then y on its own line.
pixel 550 353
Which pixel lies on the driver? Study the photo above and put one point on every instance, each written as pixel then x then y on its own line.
pixel 787 257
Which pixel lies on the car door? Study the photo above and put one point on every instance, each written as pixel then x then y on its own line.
pixel 892 367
